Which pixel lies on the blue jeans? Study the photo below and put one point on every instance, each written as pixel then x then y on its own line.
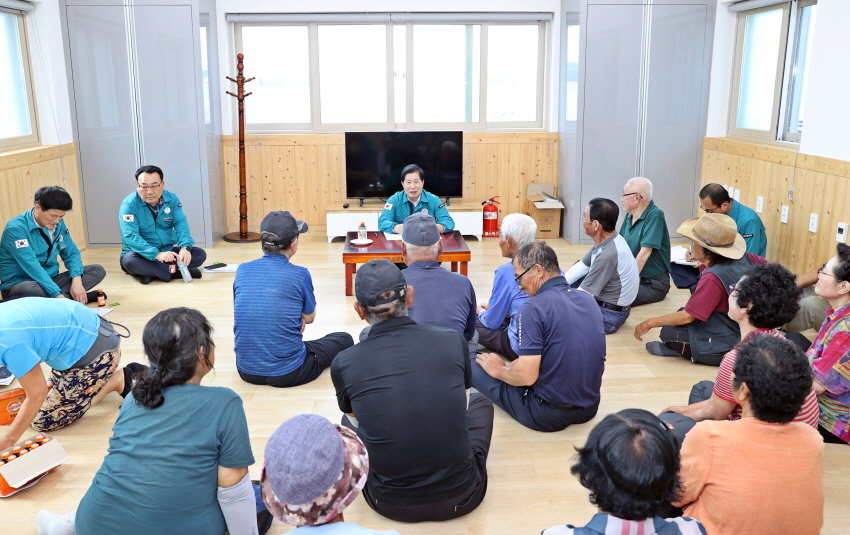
pixel 613 319
pixel 526 407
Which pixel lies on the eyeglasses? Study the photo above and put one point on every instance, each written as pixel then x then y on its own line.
pixel 630 194
pixel 518 277
pixel 733 289
pixel 822 269
pixel 709 210
pixel 152 187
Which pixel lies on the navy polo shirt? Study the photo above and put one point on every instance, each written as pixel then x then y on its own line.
pixel 269 296
pixel 564 325
pixel 441 298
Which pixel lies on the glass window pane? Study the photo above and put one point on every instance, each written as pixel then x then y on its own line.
pixel 278 56
pixel 758 69
pixel 802 57
pixel 205 74
pixel 15 111
pixel 446 72
pixel 512 73
pixel 400 72
pixel 572 72
pixel 353 73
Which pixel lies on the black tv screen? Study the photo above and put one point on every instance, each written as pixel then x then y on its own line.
pixel 374 160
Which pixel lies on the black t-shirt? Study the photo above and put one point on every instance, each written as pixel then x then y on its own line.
pixel 406 384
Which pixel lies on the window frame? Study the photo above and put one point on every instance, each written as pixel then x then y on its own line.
pixel 32 139
pixel 316 126
pixel 785 77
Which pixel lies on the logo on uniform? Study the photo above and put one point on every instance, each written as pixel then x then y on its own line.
pixel 388 206
pixel 167 210
pixel 425 211
pixel 128 218
pixel 21 243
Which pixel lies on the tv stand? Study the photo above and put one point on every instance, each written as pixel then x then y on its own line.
pixel 467 218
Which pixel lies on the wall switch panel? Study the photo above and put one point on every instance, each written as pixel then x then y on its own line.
pixel 783 214
pixel 813 222
pixel 759 204
pixel 736 194
pixel 841 233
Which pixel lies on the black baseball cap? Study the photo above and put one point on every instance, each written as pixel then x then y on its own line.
pixel 282 225
pixel 375 278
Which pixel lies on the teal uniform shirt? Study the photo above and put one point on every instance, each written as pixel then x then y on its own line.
pixel 398 208
pixel 750 227
pixel 148 234
pixel 650 230
pixel 27 253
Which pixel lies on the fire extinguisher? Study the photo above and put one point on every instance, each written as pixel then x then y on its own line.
pixel 491 218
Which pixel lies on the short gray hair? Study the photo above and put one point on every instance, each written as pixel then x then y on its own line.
pixel 273 245
pixel 520 227
pixel 642 185
pixel 396 308
pixel 538 253
pixel 423 251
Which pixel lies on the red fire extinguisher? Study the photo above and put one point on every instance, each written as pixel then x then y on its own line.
pixel 491 218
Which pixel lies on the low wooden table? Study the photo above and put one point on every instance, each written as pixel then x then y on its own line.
pixel 454 251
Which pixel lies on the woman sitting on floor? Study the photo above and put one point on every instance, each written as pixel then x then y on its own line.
pixel 630 465
pixel 830 351
pixel 761 302
pixel 702 331
pixel 179 452
pixel 762 474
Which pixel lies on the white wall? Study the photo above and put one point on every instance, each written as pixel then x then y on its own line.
pixel 227 60
pixel 827 118
pixel 826 129
pixel 50 78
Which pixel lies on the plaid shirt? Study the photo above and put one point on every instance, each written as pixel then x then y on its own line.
pixel 604 524
pixel 830 355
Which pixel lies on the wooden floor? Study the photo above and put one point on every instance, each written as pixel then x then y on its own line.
pixel 530 485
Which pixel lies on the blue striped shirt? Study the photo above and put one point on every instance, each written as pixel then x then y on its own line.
pixel 269 296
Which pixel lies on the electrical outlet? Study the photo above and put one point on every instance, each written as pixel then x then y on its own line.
pixel 813 222
pixel 736 194
pixel 783 214
pixel 841 233
pixel 759 204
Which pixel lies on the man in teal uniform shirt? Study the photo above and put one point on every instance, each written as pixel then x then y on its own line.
pixel 30 245
pixel 713 198
pixel 412 199
pixel 154 231
pixel 645 231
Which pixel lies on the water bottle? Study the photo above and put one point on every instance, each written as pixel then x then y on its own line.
pixel 361 232
pixel 184 272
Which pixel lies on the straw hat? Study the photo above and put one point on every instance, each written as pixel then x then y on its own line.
pixel 716 232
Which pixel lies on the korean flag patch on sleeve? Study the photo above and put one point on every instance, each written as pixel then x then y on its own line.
pixel 128 218
pixel 388 206
pixel 19 244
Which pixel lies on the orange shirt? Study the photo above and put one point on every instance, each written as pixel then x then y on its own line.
pixel 753 477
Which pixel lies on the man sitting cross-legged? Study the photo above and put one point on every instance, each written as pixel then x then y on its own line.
pixel 555 381
pixel 272 303
pixel 497 317
pixel 404 390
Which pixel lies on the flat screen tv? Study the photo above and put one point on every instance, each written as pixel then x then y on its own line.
pixel 374 160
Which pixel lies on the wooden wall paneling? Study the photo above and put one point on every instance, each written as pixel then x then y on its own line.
pixel 23 172
pixel 305 173
pixel 820 186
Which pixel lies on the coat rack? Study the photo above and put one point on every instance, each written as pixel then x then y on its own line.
pixel 243 235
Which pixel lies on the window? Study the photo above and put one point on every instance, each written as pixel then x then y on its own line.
pixel 337 76
pixel 17 114
pixel 772 54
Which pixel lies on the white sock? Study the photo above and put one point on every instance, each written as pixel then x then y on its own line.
pixel 50 523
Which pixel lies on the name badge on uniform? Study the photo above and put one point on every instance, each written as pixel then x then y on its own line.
pixel 745 236
pixel 388 206
pixel 167 210
pixel 21 243
pixel 128 218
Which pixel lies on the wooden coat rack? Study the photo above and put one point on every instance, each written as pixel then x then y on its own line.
pixel 243 235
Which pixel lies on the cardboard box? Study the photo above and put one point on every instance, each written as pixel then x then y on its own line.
pixel 10 403
pixel 545 209
pixel 26 470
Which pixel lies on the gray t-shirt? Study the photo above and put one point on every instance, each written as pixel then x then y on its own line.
pixel 613 276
